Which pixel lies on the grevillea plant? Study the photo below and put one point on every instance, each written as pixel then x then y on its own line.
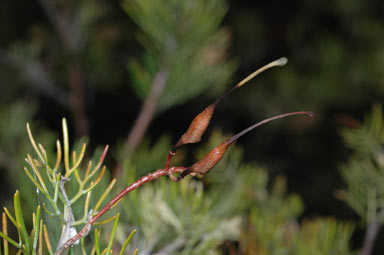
pixel 54 184
pixel 65 185
pixel 176 173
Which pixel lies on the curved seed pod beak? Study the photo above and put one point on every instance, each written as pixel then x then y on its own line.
pixel 215 155
pixel 200 123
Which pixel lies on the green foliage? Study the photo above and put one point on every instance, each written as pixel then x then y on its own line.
pixel 64 189
pixel 272 222
pixel 177 218
pixel 364 173
pixel 179 36
pixel 233 202
pixel 323 236
pixel 14 146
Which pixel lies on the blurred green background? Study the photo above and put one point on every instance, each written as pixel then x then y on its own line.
pixel 98 62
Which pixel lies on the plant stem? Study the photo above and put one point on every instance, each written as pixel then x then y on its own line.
pixel 146 113
pixel 147 178
pixel 36 75
pixel 370 236
pixel 60 19
pixel 77 97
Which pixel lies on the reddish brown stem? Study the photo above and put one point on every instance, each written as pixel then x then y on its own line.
pixel 149 177
pixel 169 158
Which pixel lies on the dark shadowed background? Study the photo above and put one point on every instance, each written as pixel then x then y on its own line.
pixel 95 75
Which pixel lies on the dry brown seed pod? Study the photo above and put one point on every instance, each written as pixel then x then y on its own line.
pixel 200 123
pixel 215 155
pixel 197 127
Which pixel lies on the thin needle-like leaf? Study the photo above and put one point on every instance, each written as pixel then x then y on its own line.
pixel 43 153
pixel 99 223
pixel 83 251
pixel 66 148
pixel 10 240
pixel 48 211
pixel 86 207
pixel 94 183
pixel 127 242
pixel 74 157
pixel 104 195
pixel 81 156
pixel 47 241
pixel 37 172
pixel 91 186
pixel 86 204
pixel 113 233
pixel 97 242
pixel 41 189
pixel 5 231
pixel 58 156
pixel 34 145
pixel 8 213
pixel 88 168
pixel 41 238
pixel 36 228
pixel 48 169
pixel 78 179
pixel 97 167
pixel 57 182
pixel 20 219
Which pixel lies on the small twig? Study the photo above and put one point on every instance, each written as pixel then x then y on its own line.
pixel 67 230
pixel 37 76
pixel 370 236
pixel 149 177
pixel 61 21
pixel 77 100
pixel 172 247
pixel 146 113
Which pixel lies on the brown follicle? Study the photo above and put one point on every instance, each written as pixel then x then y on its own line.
pixel 210 159
pixel 198 126
pixel 200 123
pixel 215 155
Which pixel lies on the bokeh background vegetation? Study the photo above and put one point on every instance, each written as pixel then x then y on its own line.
pixel 133 74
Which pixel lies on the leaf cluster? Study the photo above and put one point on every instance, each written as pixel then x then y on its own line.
pixel 64 188
pixel 364 172
pixel 179 36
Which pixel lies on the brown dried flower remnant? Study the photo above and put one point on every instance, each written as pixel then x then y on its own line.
pixel 200 123
pixel 215 155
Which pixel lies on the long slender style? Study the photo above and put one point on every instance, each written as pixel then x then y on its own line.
pixel 215 155
pixel 200 123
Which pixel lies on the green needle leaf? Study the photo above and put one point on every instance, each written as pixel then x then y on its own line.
pixel 113 233
pixel 20 220
pixel 97 242
pixel 127 242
